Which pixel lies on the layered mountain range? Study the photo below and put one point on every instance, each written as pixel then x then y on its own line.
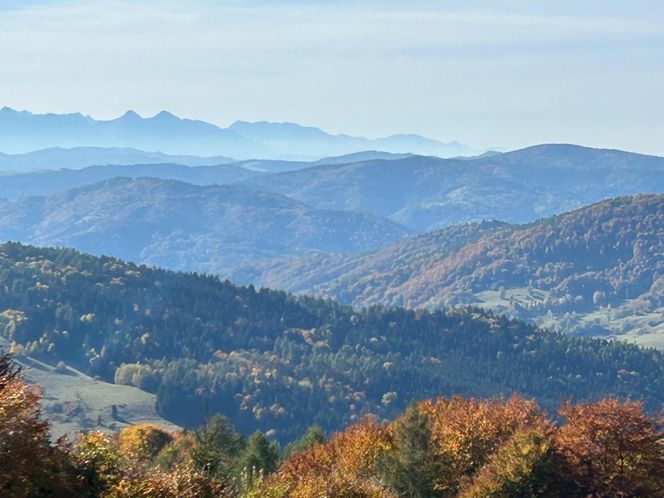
pixel 278 363
pixel 425 193
pixel 441 269
pixel 598 270
pixel 22 131
pixel 178 225
pixel 347 230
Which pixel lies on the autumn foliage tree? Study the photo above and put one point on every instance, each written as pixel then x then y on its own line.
pixel 612 449
pixel 519 468
pixel 29 464
pixel 466 432
pixel 345 467
pixel 492 448
pixel 143 442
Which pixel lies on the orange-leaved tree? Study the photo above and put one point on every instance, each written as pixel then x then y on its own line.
pixel 343 467
pixel 611 449
pixel 29 464
pixel 465 432
pixel 142 442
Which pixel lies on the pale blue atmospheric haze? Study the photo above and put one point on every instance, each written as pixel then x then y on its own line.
pixel 488 73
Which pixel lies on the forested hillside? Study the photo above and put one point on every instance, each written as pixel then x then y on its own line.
pixel 279 363
pixel 464 448
pixel 594 271
pixel 188 227
pixel 427 193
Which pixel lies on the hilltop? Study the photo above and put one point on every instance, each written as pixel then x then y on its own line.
pixel 279 363
pixel 428 193
pixel 183 226
pixel 594 271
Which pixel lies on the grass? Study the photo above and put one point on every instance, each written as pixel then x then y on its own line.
pixel 74 402
pixel 627 322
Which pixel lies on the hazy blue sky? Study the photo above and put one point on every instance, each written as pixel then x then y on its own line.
pixel 488 73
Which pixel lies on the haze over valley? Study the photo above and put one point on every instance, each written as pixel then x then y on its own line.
pixel 331 249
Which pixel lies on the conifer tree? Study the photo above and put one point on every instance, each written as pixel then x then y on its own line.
pixel 218 446
pixel 412 468
pixel 312 437
pixel 259 457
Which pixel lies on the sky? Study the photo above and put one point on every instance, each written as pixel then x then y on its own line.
pixel 491 74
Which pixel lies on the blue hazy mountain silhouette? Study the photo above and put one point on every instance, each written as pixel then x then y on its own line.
pixel 23 131
pixel 82 157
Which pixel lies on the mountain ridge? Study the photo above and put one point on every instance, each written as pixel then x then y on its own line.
pixel 82 157
pixel 22 131
pixel 190 227
pixel 275 362
pixel 427 193
pixel 597 270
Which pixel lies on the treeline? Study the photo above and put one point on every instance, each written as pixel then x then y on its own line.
pixel 471 448
pixel 279 363
pixel 596 256
pixel 139 461
pixel 456 447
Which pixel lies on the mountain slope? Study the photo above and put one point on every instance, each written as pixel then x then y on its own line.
pixel 24 132
pixel 164 132
pixel 366 155
pixel 17 185
pixel 82 157
pixel 598 270
pixel 272 361
pixel 362 279
pixel 183 226
pixel 75 402
pixel 425 193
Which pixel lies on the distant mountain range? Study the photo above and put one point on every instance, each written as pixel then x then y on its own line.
pixel 44 183
pixel 183 226
pixel 426 193
pixel 22 131
pixel 82 157
pixel 595 271
pixel 15 184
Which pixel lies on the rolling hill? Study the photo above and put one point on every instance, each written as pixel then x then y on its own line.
pixel 13 186
pixel 426 193
pixel 75 402
pixel 275 362
pixel 183 226
pixel 44 174
pixel 598 270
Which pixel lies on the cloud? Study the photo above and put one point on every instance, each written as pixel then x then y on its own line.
pixel 447 69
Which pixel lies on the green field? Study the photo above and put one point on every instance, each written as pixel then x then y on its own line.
pixel 74 402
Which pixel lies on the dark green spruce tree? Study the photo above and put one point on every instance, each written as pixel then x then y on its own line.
pixel 411 469
pixel 312 437
pixel 259 457
pixel 218 447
